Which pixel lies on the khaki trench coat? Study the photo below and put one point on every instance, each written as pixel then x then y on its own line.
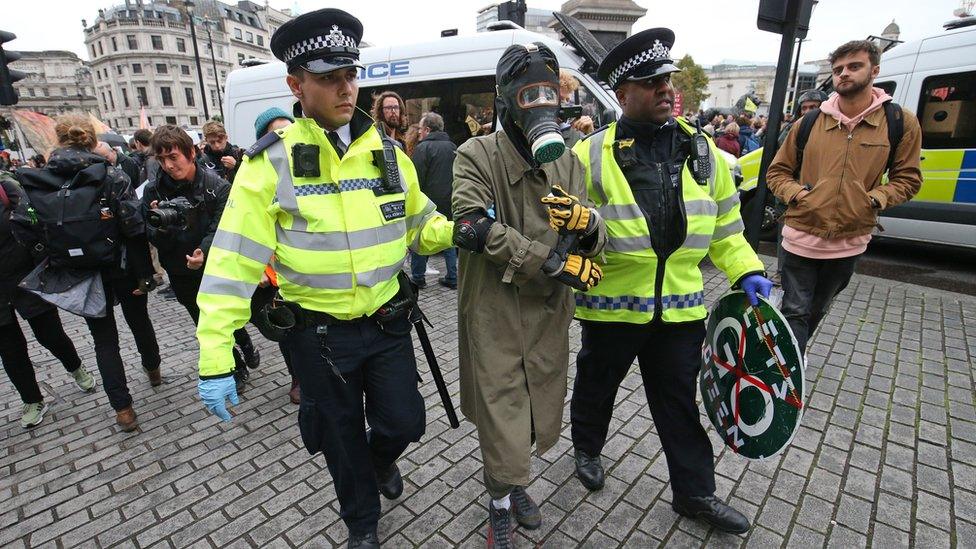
pixel 513 320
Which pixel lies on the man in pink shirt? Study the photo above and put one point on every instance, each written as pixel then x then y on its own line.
pixel 833 185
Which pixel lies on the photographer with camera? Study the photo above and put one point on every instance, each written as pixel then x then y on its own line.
pixel 79 216
pixel 182 207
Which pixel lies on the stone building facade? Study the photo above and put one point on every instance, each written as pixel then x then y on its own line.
pixel 57 82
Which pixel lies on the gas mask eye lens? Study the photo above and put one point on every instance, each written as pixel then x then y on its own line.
pixel 541 94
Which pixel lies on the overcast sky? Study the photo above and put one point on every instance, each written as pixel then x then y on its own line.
pixel 710 30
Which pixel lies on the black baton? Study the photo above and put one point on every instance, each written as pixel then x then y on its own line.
pixel 418 319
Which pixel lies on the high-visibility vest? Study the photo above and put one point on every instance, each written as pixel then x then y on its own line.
pixel 629 290
pixel 337 245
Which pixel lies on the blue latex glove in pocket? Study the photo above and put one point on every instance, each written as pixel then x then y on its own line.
pixel 214 393
pixel 754 284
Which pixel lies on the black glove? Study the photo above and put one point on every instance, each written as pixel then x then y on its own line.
pixel 576 271
pixel 471 232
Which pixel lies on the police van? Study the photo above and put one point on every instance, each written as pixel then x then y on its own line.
pixel 935 78
pixel 453 76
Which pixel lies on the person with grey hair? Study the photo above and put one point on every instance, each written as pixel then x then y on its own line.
pixel 434 159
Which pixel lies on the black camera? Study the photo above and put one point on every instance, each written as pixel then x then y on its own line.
pixel 178 213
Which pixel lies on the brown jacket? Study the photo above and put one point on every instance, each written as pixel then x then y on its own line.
pixel 513 320
pixel 844 172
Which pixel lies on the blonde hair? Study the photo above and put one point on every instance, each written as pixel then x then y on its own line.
pixel 732 128
pixel 567 82
pixel 213 128
pixel 75 130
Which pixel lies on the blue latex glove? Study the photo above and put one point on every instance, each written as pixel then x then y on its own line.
pixel 214 392
pixel 754 284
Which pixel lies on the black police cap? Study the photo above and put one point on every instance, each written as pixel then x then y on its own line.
pixel 320 41
pixel 644 55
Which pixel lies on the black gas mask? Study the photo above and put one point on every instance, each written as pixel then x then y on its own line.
pixel 528 101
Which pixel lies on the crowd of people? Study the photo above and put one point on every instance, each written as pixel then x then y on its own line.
pixel 540 220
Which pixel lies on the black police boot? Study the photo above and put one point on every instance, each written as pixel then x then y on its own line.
pixel 365 541
pixel 527 513
pixel 390 482
pixel 252 357
pixel 240 370
pixel 590 471
pixel 713 511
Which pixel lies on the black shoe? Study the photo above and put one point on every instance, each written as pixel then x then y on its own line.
pixel 167 293
pixel 252 357
pixel 501 531
pixel 420 284
pixel 365 541
pixel 590 471
pixel 390 482
pixel 448 283
pixel 240 369
pixel 526 511
pixel 713 511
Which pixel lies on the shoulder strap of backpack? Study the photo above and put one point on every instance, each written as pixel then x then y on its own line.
pixel 896 129
pixel 806 126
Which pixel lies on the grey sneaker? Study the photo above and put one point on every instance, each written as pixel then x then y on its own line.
pixel 33 415
pixel 85 381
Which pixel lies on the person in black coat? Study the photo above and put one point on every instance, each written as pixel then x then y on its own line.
pixel 218 154
pixel 434 159
pixel 41 316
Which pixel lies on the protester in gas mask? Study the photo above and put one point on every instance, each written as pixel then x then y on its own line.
pixel 515 295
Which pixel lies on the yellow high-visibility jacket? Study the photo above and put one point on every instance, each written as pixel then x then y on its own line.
pixel 634 283
pixel 338 246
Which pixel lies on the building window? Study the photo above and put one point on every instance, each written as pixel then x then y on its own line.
pixel 250 39
pixel 223 75
pixel 137 68
pixel 100 50
pixel 194 120
pixel 104 102
pixel 115 44
pixel 125 99
pixel 98 75
pixel 948 105
pixel 180 45
pixel 210 73
pixel 185 70
pixel 30 92
pixel 94 54
pixel 111 99
pixel 118 69
pixel 260 40
pixel 189 97
pixel 131 39
pixel 157 41
pixel 143 96
pixel 129 120
pixel 64 91
pixel 240 58
pixel 149 120
pixel 250 21
pixel 237 34
pixel 161 68
pixel 167 96
pixel 171 120
pixel 213 98
pixel 220 52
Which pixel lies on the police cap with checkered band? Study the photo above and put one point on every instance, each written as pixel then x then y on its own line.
pixel 644 55
pixel 320 41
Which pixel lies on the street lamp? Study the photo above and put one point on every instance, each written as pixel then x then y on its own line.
pixel 207 23
pixel 196 56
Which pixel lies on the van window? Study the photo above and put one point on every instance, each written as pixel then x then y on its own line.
pixel 455 100
pixel 947 107
pixel 888 87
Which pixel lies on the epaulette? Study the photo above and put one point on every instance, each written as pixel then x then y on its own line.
pixel 266 141
pixel 594 132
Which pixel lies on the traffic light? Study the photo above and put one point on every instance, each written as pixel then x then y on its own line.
pixel 8 95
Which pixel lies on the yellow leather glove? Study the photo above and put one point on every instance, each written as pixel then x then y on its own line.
pixel 566 213
pixel 580 273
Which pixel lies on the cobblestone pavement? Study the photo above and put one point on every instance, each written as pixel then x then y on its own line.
pixel 886 455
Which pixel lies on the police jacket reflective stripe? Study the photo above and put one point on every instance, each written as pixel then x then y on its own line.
pixel 337 244
pixel 638 285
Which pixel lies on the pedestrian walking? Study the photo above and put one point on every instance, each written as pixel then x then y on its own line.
pixel 434 160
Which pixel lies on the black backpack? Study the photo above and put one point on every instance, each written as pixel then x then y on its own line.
pixel 896 129
pixel 73 218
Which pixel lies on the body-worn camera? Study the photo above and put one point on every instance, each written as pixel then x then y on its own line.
pixel 178 213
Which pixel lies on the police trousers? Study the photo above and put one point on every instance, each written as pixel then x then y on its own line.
pixel 376 363
pixel 669 357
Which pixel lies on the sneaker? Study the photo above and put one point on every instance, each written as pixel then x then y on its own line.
pixel 527 513
pixel 84 380
pixel 33 414
pixel 501 531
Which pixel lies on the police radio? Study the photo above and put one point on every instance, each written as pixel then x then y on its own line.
pixel 701 164
pixel 386 161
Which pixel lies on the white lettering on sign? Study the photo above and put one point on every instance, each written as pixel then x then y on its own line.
pixel 760 426
pixel 727 354
pixel 733 433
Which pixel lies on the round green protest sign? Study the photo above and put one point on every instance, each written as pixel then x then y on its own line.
pixel 751 380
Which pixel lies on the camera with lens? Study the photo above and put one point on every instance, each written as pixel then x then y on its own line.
pixel 176 214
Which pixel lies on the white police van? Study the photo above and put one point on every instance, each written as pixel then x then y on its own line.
pixel 453 76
